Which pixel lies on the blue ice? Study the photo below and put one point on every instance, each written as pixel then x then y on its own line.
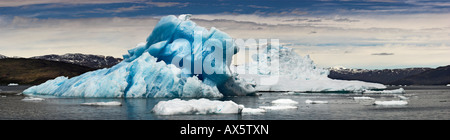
pixel 179 59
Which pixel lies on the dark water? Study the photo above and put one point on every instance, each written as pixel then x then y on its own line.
pixel 430 102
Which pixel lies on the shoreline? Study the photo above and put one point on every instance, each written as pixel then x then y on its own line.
pixel 12 90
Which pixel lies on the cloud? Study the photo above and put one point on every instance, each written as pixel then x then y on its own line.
pixel 117 10
pixel 167 4
pixel 28 37
pixel 295 19
pixel 259 7
pixel 16 3
pixel 315 20
pixel 345 20
pixel 290 12
pixel 382 54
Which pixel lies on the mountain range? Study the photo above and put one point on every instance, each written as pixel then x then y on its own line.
pixel 88 60
pixel 438 76
pixel 36 71
pixel 406 76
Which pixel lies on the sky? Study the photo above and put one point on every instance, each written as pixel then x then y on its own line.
pixel 370 34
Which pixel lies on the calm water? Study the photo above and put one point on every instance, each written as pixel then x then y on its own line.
pixel 430 102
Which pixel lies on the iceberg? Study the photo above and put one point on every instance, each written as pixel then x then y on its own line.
pixel 196 106
pixel 294 73
pixel 178 59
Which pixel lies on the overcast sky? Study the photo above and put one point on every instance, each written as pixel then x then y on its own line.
pixel 372 34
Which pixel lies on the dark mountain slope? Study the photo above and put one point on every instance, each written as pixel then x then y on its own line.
pixel 88 60
pixel 35 71
pixel 438 76
pixel 385 76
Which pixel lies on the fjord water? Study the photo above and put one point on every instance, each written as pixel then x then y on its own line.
pixel 424 102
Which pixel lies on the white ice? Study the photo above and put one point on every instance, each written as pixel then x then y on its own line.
pixel 32 99
pixel 196 106
pixel 281 104
pixel 253 111
pixel 316 102
pixel 363 98
pixel 278 107
pixel 294 73
pixel 284 102
pixel 402 97
pixel 389 103
pixel 13 84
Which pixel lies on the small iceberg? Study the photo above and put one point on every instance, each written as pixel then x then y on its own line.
pixel 278 107
pixel 284 102
pixel 316 102
pixel 281 104
pixel 253 111
pixel 13 84
pixel 363 98
pixel 402 97
pixel 389 103
pixel 395 91
pixel 32 99
pixel 448 85
pixel 113 103
pixel 197 106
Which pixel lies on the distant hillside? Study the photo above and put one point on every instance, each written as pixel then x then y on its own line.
pixel 92 61
pixel 438 76
pixel 3 57
pixel 34 71
pixel 385 76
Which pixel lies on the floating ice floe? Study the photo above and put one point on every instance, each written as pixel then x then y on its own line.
pixel 402 97
pixel 363 98
pixel 281 104
pixel 389 103
pixel 253 111
pixel 278 107
pixel 32 99
pixel 112 103
pixel 196 106
pixel 316 102
pixel 284 102
pixel 13 84
pixel 448 85
pixel 395 91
